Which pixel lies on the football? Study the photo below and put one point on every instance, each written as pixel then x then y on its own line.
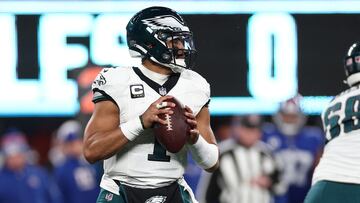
pixel 174 134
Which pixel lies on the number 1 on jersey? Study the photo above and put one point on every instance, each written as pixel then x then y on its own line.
pixel 159 153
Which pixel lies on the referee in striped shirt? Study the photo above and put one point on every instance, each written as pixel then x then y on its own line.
pixel 248 172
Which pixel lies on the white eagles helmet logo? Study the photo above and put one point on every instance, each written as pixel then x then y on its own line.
pixel 165 22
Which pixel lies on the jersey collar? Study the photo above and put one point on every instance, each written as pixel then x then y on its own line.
pixel 160 89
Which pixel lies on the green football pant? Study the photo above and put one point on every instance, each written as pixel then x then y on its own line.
pixel 108 197
pixel 333 192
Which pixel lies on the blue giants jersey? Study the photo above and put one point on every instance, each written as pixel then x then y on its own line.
pixel 77 181
pixel 192 174
pixel 298 154
pixel 31 185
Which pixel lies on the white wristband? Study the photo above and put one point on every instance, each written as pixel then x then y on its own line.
pixel 132 128
pixel 205 154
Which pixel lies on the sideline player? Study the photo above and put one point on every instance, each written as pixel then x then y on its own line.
pixel 337 177
pixel 297 146
pixel 127 103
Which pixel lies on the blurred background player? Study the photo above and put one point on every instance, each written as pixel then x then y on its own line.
pixel 21 181
pixel 247 172
pixel 296 147
pixel 75 177
pixel 337 177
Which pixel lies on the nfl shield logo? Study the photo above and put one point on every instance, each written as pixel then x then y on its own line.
pixel 109 197
pixel 162 91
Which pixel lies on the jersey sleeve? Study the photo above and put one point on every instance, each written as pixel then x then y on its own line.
pixel 108 85
pixel 205 88
pixel 202 96
pixel 207 94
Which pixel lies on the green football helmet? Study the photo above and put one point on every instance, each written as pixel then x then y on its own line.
pixel 352 65
pixel 152 34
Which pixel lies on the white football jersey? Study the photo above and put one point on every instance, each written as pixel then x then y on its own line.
pixel 143 162
pixel 340 161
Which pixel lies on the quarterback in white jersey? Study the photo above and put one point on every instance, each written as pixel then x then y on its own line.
pixel 337 177
pixel 128 101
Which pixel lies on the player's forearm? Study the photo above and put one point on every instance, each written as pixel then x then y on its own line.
pixel 205 154
pixel 102 145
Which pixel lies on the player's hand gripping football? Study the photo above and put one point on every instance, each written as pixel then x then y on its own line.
pixel 150 116
pixel 191 120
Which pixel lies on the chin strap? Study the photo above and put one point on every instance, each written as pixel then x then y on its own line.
pixel 173 68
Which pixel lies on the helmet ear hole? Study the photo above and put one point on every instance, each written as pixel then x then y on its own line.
pixel 166 56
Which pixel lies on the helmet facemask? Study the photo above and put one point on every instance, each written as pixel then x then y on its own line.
pixel 352 70
pixel 290 118
pixel 289 124
pixel 180 51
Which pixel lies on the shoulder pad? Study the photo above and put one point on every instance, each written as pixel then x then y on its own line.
pixel 111 76
pixel 197 80
pixel 109 82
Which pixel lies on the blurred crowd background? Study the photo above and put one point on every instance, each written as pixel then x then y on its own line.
pixel 268 152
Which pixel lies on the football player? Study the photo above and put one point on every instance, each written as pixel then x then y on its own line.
pixel 337 178
pixel 297 147
pixel 128 101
